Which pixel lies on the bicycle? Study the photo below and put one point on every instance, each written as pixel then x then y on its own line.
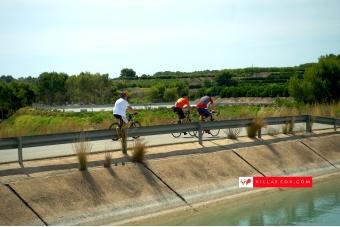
pixel 179 121
pixel 213 132
pixel 133 125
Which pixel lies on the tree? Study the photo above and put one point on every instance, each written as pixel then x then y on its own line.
pixel 156 92
pixel 127 74
pixel 320 82
pixel 72 85
pixel 180 86
pixel 207 83
pixel 14 96
pixel 51 85
pixel 170 94
pixel 224 78
pixel 6 79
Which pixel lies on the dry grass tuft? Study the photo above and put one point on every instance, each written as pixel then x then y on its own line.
pixel 265 112
pixel 106 124
pixel 123 136
pixel 312 120
pixel 245 113
pixel 288 126
pixel 82 149
pixel 108 156
pixel 232 133
pixel 139 150
pixel 255 126
pixel 272 130
pixel 107 160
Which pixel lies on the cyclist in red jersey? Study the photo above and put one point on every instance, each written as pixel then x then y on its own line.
pixel 202 107
pixel 179 106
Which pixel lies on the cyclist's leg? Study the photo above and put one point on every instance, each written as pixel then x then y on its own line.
pixel 116 125
pixel 182 117
pixel 180 113
pixel 204 112
pixel 124 121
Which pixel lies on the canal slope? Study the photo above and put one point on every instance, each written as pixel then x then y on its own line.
pixel 175 178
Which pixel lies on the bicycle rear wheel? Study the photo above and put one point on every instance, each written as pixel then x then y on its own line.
pixel 114 126
pixel 133 126
pixel 176 134
pixel 214 132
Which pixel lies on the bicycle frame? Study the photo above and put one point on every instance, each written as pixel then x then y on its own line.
pixel 133 124
pixel 129 117
pixel 212 132
pixel 211 115
pixel 187 116
pixel 179 121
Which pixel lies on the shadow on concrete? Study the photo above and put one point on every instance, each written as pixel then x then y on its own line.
pixel 255 142
pixel 90 183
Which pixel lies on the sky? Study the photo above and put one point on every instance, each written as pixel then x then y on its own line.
pixel 149 36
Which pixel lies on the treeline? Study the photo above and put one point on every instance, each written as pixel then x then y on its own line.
pixel 130 74
pixel 54 88
pixel 14 96
pixel 308 83
pixel 274 90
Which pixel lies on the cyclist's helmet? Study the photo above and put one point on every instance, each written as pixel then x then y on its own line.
pixel 208 94
pixel 184 94
pixel 123 95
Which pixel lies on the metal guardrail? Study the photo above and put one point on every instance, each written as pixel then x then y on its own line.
pixel 72 137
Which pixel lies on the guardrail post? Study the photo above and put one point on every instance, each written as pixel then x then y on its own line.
pixel 20 150
pixel 334 122
pixel 123 134
pixel 200 134
pixel 308 129
pixel 259 133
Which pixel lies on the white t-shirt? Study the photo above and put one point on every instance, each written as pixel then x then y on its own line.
pixel 120 107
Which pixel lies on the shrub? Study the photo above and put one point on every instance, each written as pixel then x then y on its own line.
pixel 272 131
pixel 82 149
pixel 232 133
pixel 139 150
pixel 107 160
pixel 255 126
pixel 288 126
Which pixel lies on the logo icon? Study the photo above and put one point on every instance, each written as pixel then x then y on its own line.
pixel 245 182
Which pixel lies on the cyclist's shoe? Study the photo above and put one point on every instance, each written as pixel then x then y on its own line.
pixel 114 139
pixel 185 133
pixel 207 131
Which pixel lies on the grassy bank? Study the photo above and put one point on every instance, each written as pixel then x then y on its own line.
pixel 29 121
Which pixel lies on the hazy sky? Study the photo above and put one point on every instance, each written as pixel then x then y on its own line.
pixel 105 36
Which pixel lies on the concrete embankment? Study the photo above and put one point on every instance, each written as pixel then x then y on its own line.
pixel 184 177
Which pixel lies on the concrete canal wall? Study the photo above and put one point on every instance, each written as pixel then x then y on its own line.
pixel 176 178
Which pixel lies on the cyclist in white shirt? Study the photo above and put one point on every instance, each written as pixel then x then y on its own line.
pixel 119 110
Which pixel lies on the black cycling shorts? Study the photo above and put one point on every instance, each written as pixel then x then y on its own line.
pixel 180 112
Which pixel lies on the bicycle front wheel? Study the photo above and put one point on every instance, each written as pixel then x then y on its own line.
pixel 214 132
pixel 176 134
pixel 133 126
pixel 192 133
pixel 114 126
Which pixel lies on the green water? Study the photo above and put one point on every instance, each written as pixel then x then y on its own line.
pixel 315 206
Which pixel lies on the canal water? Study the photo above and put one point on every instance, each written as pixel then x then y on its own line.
pixel 315 206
